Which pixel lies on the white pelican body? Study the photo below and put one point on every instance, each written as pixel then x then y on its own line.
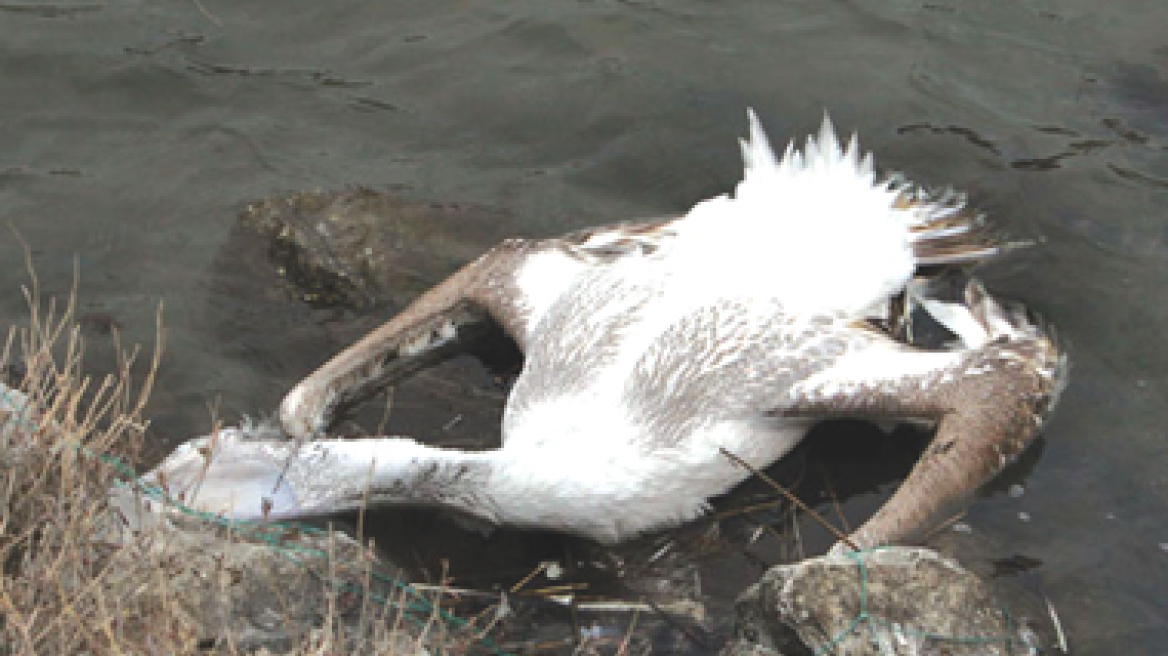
pixel 650 347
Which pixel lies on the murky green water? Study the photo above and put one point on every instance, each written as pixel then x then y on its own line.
pixel 133 132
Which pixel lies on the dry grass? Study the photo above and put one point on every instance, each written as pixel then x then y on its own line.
pixel 69 588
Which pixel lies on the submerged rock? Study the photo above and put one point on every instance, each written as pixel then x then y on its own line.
pixel 359 247
pixel 890 601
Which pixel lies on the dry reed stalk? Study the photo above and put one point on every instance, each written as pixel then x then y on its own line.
pixel 839 512
pixel 794 499
pixel 63 588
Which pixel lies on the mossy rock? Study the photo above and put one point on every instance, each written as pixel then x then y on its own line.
pixel 359 247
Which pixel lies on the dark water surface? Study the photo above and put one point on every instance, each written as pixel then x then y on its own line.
pixel 134 132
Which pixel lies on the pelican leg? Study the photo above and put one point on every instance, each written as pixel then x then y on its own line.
pixel 441 323
pixel 989 403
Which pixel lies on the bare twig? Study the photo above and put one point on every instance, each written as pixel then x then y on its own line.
pixel 385 412
pixel 554 589
pixel 527 579
pixel 624 645
pixel 742 510
pixel 835 501
pixel 942 525
pixel 794 499
pixel 688 632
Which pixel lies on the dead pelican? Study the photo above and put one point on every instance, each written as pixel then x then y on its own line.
pixel 651 346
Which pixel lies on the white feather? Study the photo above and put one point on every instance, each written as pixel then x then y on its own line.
pixel 814 229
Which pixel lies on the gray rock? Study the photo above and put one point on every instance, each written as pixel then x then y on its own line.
pixel 359 247
pixel 900 601
pixel 269 587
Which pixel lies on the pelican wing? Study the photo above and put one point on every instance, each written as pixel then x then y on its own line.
pixel 989 398
pixel 509 287
pixel 443 322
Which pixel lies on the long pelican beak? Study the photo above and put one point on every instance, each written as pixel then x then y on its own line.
pixel 231 474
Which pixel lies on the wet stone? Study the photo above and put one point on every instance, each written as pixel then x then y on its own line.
pixel 359 248
pixel 901 601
